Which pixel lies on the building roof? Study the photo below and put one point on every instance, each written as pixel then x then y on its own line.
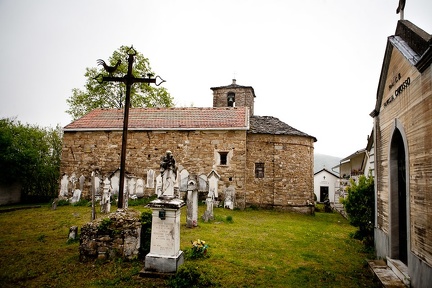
pixel 223 118
pixel 328 171
pixel 272 125
pixel 414 44
pixel 234 86
pixel 360 152
pixel 191 118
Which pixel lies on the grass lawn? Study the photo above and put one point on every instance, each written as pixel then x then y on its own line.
pixel 251 248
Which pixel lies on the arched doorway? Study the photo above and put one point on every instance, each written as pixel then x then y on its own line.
pixel 399 214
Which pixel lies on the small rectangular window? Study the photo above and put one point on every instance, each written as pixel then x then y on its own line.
pixel 259 170
pixel 223 158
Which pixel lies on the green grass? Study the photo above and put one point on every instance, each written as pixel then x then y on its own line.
pixel 252 248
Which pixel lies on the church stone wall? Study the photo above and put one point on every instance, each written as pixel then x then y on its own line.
pixel 288 161
pixel 196 151
pixel 288 172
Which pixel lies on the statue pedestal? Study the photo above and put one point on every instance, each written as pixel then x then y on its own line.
pixel 165 255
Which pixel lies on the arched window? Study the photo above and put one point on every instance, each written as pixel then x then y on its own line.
pixel 231 99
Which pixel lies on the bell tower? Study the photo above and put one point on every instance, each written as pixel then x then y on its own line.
pixel 234 95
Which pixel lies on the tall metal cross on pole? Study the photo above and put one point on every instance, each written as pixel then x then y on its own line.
pixel 128 80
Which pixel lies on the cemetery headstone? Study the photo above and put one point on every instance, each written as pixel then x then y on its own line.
pixel 150 178
pixel 192 203
pixel 158 189
pixel 115 183
pixel 81 182
pixel 73 233
pixel 76 196
pixel 106 197
pixel 229 197
pixel 64 184
pixel 184 177
pixel 213 180
pixel 208 214
pixel 132 188
pixel 165 255
pixel 140 188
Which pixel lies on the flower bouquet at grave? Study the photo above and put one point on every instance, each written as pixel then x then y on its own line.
pixel 198 249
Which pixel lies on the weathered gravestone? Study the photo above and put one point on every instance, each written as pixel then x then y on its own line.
pixel 64 186
pixel 76 196
pixel 229 197
pixel 73 232
pixel 192 202
pixel 106 197
pixel 140 188
pixel 208 213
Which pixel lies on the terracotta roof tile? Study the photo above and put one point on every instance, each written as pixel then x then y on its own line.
pixel 164 119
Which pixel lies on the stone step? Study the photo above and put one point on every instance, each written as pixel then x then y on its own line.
pixel 400 269
pixel 385 274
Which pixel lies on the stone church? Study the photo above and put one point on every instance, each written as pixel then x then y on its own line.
pixel 265 161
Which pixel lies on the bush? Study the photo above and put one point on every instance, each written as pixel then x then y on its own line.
pixel 229 219
pixel 63 202
pixel 30 155
pixel 188 275
pixel 140 201
pixel 81 202
pixel 360 205
pixel 146 227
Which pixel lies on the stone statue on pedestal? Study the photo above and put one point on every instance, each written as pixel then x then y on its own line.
pixel 168 171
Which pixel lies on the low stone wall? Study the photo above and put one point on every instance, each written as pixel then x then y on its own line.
pixel 118 235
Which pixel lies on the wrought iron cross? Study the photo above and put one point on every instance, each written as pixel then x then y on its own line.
pixel 128 80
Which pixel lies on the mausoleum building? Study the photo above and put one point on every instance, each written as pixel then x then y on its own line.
pixel 403 154
pixel 265 161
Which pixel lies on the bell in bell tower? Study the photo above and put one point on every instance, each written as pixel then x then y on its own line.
pixel 234 95
pixel 231 99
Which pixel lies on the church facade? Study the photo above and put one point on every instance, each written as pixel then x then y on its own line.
pixel 267 162
pixel 403 153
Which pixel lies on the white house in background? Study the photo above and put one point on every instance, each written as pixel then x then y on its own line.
pixel 325 183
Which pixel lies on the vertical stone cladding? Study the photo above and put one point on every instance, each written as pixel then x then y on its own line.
pixel 197 151
pixel 288 172
pixel 244 96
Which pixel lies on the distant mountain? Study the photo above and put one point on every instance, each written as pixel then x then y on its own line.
pixel 325 161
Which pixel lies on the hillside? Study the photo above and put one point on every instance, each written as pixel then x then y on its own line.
pixel 325 161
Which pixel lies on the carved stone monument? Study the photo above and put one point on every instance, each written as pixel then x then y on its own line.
pixel 165 255
pixel 106 197
pixel 208 214
pixel 168 171
pixel 192 203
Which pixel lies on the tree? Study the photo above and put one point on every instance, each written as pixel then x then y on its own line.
pixel 30 156
pixel 360 205
pixel 112 94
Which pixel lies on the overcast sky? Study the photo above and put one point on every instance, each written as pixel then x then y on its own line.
pixel 314 64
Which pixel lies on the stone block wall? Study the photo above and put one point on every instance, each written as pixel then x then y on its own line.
pixel 116 236
pixel 196 151
pixel 288 172
pixel 288 161
pixel 244 97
